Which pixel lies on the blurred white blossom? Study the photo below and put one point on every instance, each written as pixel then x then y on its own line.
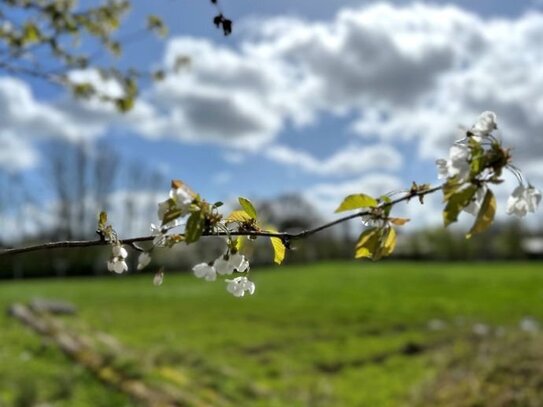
pixel 143 260
pixel 523 200
pixel 227 264
pixel 239 285
pixel 484 126
pixel 117 262
pixel 456 165
pixel 205 271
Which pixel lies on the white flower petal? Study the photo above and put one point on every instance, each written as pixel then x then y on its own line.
pixel 239 285
pixel 119 251
pixel 143 260
pixel 223 266
pixel 158 279
pixel 485 125
pixel 163 207
pixel 477 201
pixel 205 271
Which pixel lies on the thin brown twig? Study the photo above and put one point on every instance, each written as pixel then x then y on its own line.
pixel 286 237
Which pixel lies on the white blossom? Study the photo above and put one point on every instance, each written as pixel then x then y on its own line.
pixel 484 126
pixel 239 285
pixel 117 265
pixel 143 260
pixel 119 251
pixel 159 236
pixel 182 198
pixel 222 265
pixel 457 164
pixel 158 279
pixel 476 202
pixel 523 200
pixel 205 271
pixel 227 264
pixel 238 262
pixel 163 207
pixel 459 161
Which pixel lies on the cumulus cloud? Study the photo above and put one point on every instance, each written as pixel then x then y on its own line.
pixel 347 161
pixel 403 72
pixel 25 120
pixel 16 154
pixel 412 72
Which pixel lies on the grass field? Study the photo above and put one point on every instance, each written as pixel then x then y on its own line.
pixel 332 334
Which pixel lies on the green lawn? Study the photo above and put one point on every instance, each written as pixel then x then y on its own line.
pixel 332 334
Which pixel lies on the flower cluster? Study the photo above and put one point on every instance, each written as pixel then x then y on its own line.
pixel 117 262
pixel 226 264
pixel 475 162
pixel 175 207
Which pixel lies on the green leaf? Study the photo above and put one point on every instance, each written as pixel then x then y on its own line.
pixel 388 242
pixel 171 215
pixel 449 188
pixel 195 227
pixel 102 219
pixel 456 202
pixel 357 201
pixel 478 158
pixel 247 207
pixel 156 24
pixel 398 221
pixel 485 216
pixel 386 199
pixel 31 33
pixel 279 249
pixel 238 216
pixel 367 244
pixel 124 104
pixel 239 243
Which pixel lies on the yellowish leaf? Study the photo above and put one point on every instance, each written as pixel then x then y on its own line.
pixel 357 201
pixel 367 244
pixel 485 216
pixel 247 207
pixel 238 216
pixel 398 221
pixel 279 249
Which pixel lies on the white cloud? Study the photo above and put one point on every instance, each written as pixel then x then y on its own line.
pixel 351 160
pixel 405 72
pixel 27 117
pixel 16 154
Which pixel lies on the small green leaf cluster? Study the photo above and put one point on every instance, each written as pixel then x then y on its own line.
pixel 246 221
pixel 378 240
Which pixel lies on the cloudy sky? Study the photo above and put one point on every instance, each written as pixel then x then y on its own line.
pixel 319 98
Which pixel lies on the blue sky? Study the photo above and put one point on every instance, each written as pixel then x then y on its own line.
pixel 317 98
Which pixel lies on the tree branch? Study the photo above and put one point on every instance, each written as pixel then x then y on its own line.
pixel 286 237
